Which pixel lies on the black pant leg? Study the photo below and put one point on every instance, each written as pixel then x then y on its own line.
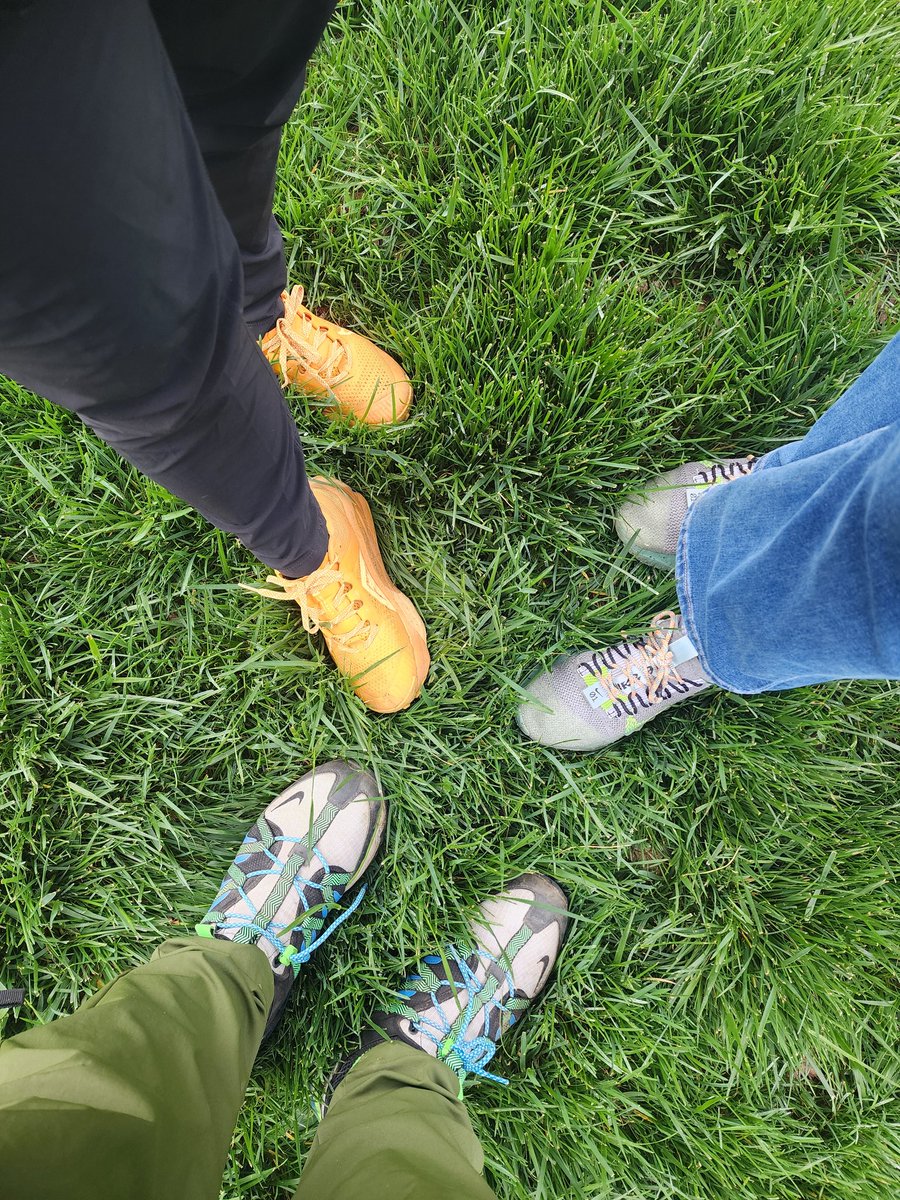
pixel 120 278
pixel 241 68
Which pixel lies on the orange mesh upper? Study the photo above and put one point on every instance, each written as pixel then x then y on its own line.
pixel 343 367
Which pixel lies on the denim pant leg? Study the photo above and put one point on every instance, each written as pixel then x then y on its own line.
pixel 791 575
pixel 871 402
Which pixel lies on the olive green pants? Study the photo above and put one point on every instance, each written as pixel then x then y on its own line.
pixel 135 1096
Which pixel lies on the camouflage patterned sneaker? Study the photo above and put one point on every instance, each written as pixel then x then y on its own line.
pixel 308 848
pixel 460 1002
pixel 649 522
pixel 591 699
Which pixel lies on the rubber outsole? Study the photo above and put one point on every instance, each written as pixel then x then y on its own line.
pixel 654 558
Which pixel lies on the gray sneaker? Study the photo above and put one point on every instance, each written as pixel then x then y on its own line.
pixel 649 522
pixel 458 1003
pixel 308 848
pixel 591 699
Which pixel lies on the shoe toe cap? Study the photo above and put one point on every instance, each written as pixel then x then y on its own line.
pixel 551 715
pixel 391 691
pixel 351 783
pixel 379 391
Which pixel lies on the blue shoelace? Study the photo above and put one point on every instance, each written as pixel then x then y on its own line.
pixel 465 1056
pixel 262 927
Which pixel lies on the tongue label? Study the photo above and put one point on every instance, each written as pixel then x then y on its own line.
pixel 596 696
pixel 597 693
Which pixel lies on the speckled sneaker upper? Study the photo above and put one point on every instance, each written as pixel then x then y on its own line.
pixel 290 875
pixel 649 521
pixel 459 1002
pixel 591 699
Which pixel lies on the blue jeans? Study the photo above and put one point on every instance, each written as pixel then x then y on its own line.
pixel 791 575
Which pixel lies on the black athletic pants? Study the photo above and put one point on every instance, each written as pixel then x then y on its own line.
pixel 139 260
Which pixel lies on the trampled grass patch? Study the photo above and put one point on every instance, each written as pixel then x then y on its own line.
pixel 603 239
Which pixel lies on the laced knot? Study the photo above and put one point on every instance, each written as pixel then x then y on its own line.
pixel 313 345
pixel 320 614
pixel 464 1055
pixel 650 667
pixel 245 922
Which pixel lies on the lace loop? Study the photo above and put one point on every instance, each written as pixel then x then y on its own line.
pixel 302 338
pixel 464 1055
pixel 304 593
pixel 655 666
pixel 296 958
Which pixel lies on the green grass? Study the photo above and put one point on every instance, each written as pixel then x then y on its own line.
pixel 602 240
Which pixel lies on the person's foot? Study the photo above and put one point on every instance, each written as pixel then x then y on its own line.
pixel 648 522
pixel 372 630
pixel 591 699
pixel 308 848
pixel 356 377
pixel 459 1002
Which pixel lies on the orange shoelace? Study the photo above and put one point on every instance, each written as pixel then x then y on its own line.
pixel 304 593
pixel 304 338
pixel 655 666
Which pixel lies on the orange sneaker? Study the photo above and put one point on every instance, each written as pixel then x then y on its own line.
pixel 372 630
pixel 330 362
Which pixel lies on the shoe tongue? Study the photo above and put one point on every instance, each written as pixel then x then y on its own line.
pixel 330 602
pixel 315 336
pixel 325 600
pixel 682 650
